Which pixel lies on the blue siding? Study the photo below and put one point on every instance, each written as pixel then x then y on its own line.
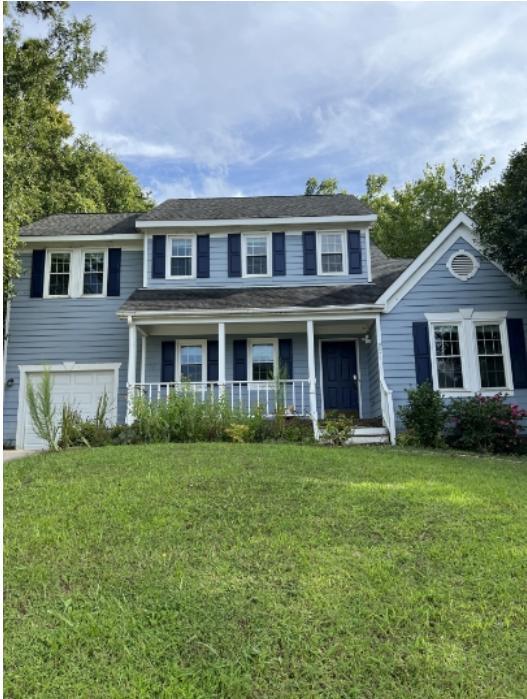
pixel 294 267
pixel 438 291
pixel 84 330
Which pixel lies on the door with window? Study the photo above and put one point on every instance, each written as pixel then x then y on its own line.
pixel 340 379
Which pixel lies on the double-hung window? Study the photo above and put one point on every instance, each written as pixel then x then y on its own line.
pixel 192 361
pixel 93 273
pixel 182 256
pixel 256 254
pixel 263 360
pixel 331 252
pixel 448 356
pixel 59 273
pixel 470 352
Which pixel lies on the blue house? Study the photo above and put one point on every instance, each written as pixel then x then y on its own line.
pixel 260 300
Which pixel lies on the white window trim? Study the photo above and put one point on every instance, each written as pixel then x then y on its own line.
pixel 262 341
pixel 168 265
pixel 193 343
pixel 467 319
pixel 76 284
pixel 466 253
pixel 268 239
pixel 104 273
pixel 345 265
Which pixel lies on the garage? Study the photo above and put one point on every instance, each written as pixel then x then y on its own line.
pixel 81 386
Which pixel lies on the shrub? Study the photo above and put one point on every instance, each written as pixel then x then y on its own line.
pixel 42 411
pixel 425 415
pixel 485 424
pixel 238 433
pixel 338 430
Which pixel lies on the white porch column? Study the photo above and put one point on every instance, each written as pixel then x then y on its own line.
pixel 143 357
pixel 132 366
pixel 312 376
pixel 221 358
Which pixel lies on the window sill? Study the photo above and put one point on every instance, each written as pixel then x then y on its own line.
pixel 479 392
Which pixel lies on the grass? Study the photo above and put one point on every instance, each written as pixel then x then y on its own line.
pixel 265 571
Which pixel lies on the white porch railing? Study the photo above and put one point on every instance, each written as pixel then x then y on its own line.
pixel 289 396
pixel 388 414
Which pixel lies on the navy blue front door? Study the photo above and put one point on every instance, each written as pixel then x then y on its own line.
pixel 339 366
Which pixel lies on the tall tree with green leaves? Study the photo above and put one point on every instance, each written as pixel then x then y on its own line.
pixel 411 216
pixel 328 186
pixel 501 217
pixel 44 172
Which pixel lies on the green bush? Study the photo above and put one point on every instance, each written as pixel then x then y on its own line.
pixel 485 424
pixel 425 415
pixel 338 430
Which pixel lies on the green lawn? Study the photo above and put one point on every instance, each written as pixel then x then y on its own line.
pixel 264 571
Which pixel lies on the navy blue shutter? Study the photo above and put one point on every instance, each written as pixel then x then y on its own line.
pixel 517 349
pixel 285 354
pixel 309 243
pixel 423 367
pixel 354 252
pixel 37 274
pixel 235 254
pixel 278 254
pixel 159 243
pixel 239 358
pixel 212 360
pixel 113 286
pixel 203 246
pixel 168 361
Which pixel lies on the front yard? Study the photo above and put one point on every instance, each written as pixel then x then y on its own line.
pixel 265 571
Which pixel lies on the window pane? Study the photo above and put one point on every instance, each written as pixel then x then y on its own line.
pixel 257 246
pixel 331 262
pixel 181 266
pixel 447 340
pixel 263 362
pixel 492 372
pixel 449 373
pixel 93 283
pixel 58 284
pixel 191 363
pixel 489 339
pixel 93 273
pixel 331 243
pixel 491 365
pixel 256 265
pixel 182 247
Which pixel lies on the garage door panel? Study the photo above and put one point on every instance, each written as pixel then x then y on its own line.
pixel 79 389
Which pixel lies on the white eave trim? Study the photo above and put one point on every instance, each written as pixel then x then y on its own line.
pixel 217 223
pixel 428 258
pixel 63 239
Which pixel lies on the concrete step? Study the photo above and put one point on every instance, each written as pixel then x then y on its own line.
pixel 366 435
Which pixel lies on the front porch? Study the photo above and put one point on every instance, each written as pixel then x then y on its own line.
pixel 307 368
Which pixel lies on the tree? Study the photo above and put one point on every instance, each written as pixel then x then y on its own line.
pixel 412 215
pixel 501 217
pixel 328 186
pixel 43 172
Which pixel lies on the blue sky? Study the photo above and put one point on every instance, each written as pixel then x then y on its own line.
pixel 221 99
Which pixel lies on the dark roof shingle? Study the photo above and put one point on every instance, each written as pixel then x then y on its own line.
pixel 82 224
pixel 225 208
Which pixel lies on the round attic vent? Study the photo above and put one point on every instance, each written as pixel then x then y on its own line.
pixel 463 265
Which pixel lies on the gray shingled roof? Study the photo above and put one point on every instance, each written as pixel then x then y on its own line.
pixel 82 224
pixel 224 208
pixel 385 271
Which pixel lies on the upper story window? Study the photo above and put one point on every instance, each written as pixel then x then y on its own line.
pixel 256 254
pixel 263 360
pixel 470 352
pixel 331 251
pixel 59 273
pixel 182 257
pixel 74 273
pixel 93 273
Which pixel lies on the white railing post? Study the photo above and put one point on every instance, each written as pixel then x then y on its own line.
pixel 221 358
pixel 132 367
pixel 312 376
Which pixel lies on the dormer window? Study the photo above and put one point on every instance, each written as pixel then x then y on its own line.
pixel 182 257
pixel 331 252
pixel 256 254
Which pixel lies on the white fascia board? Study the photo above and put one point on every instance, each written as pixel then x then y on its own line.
pixel 426 260
pixel 216 223
pixel 287 313
pixel 79 238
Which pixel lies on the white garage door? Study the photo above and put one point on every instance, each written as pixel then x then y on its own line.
pixel 79 388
